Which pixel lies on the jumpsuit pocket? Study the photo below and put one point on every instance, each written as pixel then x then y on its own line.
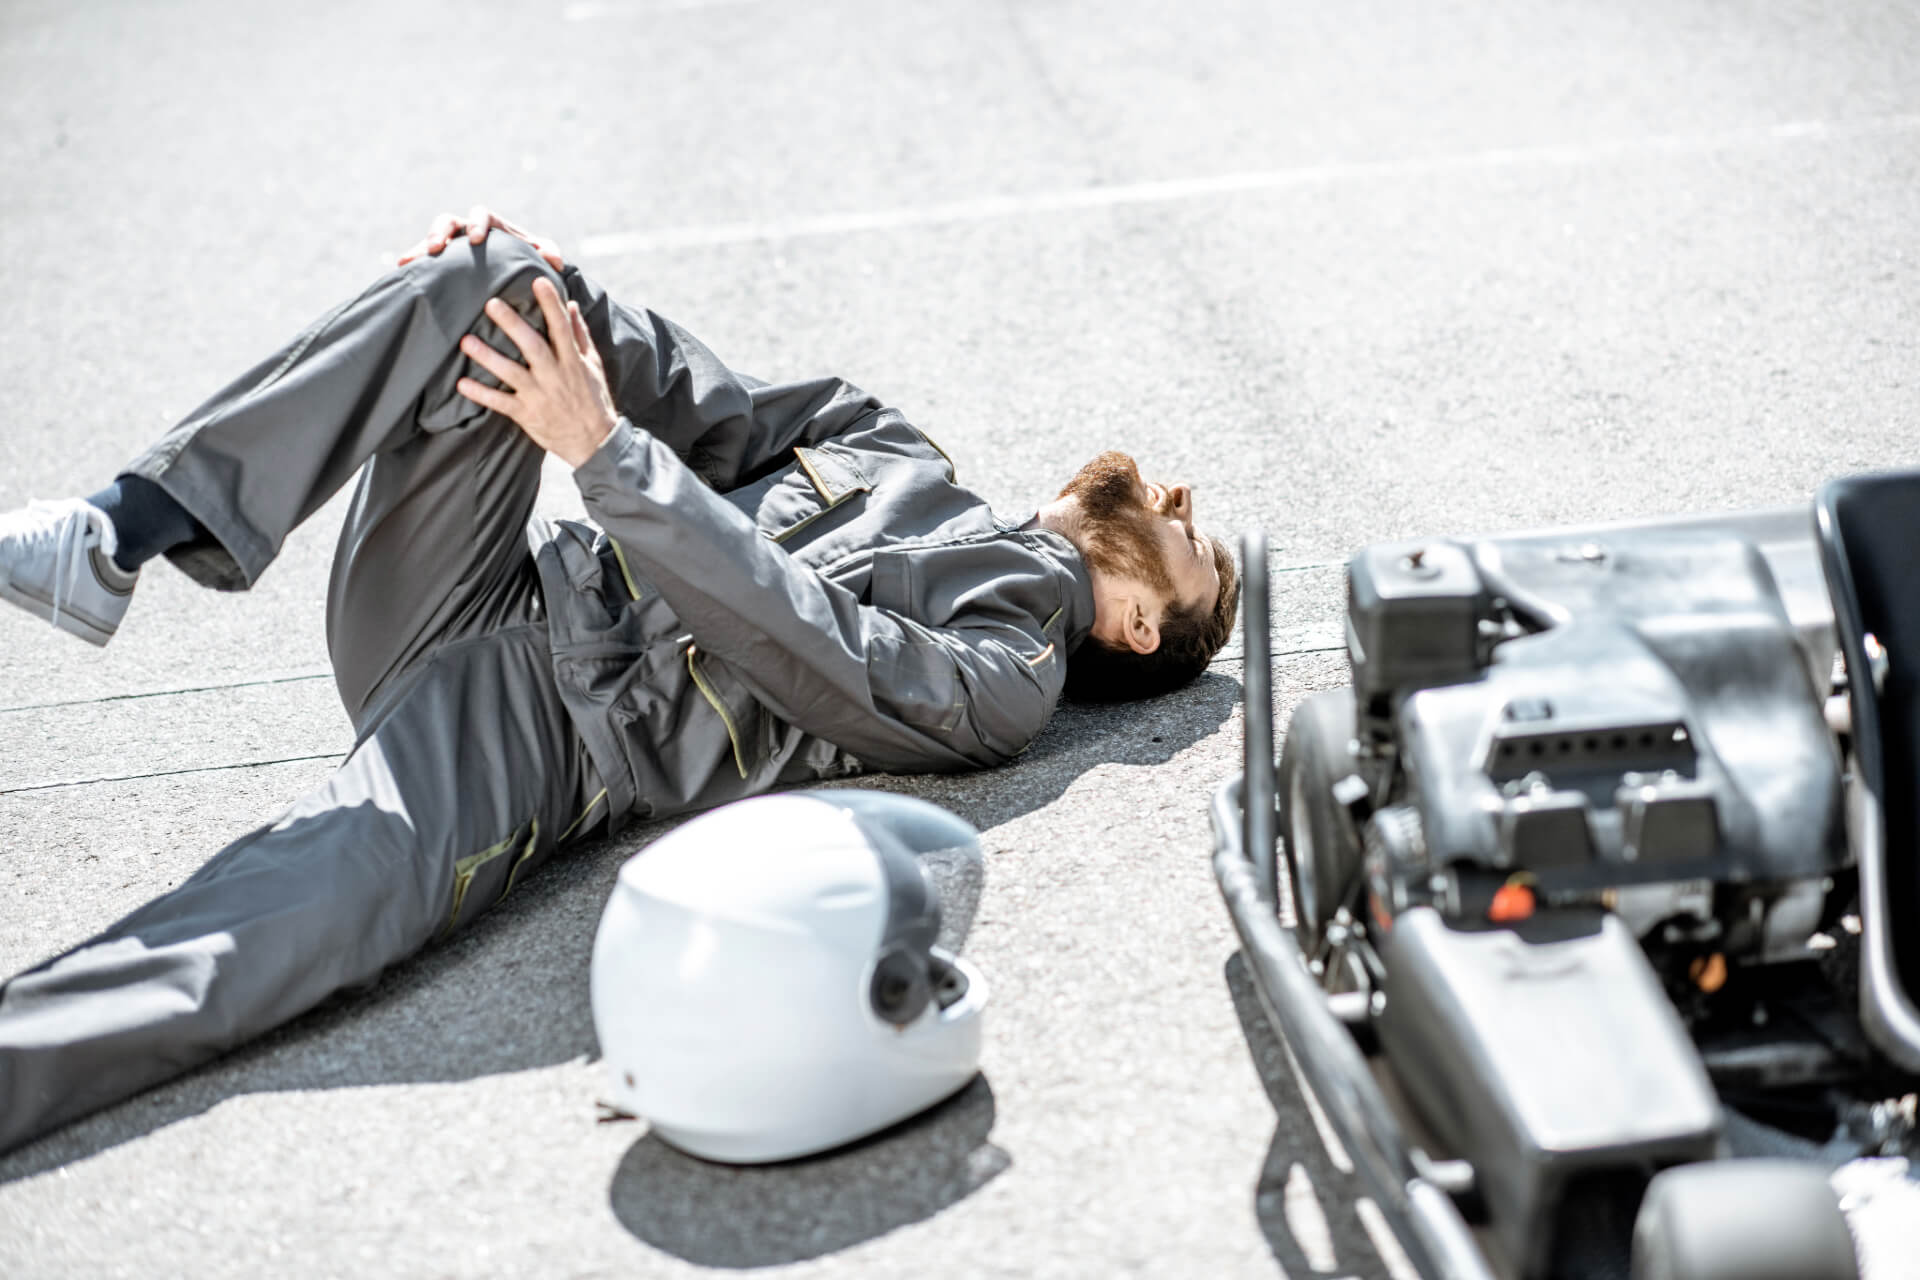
pixel 917 681
pixel 822 480
pixel 738 712
pixel 482 879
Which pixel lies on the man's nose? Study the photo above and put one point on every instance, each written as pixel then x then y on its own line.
pixel 1180 503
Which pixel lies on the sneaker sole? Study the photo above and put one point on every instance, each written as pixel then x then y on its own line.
pixel 68 621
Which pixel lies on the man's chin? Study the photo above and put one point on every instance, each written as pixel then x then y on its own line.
pixel 1116 528
pixel 1106 486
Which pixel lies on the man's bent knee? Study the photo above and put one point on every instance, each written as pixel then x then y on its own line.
pixel 458 281
pixel 455 288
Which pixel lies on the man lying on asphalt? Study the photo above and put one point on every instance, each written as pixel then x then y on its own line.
pixel 785 584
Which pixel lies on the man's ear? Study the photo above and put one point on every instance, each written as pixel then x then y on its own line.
pixel 1142 632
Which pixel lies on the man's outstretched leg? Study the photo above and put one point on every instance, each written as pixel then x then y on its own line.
pixel 464 780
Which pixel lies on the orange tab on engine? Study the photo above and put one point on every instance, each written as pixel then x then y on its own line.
pixel 1709 973
pixel 1510 902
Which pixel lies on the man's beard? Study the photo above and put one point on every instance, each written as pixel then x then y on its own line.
pixel 1117 533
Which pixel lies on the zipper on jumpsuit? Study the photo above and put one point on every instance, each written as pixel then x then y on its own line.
pixel 693 669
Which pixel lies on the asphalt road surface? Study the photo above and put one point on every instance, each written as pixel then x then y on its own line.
pixel 1353 271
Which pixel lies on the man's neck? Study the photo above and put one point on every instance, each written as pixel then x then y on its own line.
pixel 1061 516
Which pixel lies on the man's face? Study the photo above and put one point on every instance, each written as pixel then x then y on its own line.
pixel 1144 532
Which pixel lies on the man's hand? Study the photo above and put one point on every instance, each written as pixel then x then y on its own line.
pixel 475 226
pixel 559 397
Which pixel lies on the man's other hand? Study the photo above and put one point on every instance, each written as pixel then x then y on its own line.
pixel 559 396
pixel 475 227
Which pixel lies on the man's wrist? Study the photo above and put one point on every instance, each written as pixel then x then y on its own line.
pixel 605 444
pixel 591 442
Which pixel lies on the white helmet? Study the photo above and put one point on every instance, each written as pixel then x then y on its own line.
pixel 765 983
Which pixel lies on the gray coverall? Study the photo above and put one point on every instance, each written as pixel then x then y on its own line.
pixel 786 584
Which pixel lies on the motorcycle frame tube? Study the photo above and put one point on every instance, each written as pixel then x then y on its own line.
pixel 1890 1018
pixel 1245 865
pixel 1260 820
pixel 1423 1218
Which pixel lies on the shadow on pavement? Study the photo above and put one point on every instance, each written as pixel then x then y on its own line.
pixel 509 992
pixel 1080 737
pixel 1309 1216
pixel 759 1216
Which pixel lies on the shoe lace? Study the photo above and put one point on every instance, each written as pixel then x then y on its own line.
pixel 58 521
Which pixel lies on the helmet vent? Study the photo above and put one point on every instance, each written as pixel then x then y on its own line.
pixel 900 991
pixel 949 984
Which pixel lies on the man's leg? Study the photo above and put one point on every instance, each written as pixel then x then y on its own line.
pixel 461 784
pixel 434 550
pixel 466 774
pixel 373 378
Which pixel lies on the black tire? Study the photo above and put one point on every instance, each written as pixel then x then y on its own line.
pixel 1742 1220
pixel 1323 852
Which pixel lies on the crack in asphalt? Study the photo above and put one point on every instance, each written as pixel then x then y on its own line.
pixel 166 773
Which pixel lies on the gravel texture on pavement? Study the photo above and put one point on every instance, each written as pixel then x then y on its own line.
pixel 1354 272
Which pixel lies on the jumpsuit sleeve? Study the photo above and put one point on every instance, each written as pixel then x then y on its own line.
pixel 900 695
pixel 729 428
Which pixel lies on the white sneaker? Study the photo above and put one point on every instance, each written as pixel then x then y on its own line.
pixel 56 561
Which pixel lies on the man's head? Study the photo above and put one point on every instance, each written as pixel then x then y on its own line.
pixel 1164 594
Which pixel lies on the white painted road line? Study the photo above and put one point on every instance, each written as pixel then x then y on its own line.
pixel 620 243
pixel 593 10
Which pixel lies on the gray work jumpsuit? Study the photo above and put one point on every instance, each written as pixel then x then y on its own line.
pixel 785 584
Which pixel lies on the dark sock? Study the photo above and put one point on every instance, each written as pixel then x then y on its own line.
pixel 146 520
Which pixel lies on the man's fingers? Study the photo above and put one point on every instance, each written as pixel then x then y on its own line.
pixel 488 397
pixel 545 248
pixel 479 222
pixel 582 340
pixel 508 371
pixel 532 346
pixel 549 299
pixel 442 229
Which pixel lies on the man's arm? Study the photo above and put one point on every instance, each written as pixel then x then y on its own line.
pixel 897 694
pixel 900 695
pixel 730 428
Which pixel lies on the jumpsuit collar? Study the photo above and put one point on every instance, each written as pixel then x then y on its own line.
pixel 1075 621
